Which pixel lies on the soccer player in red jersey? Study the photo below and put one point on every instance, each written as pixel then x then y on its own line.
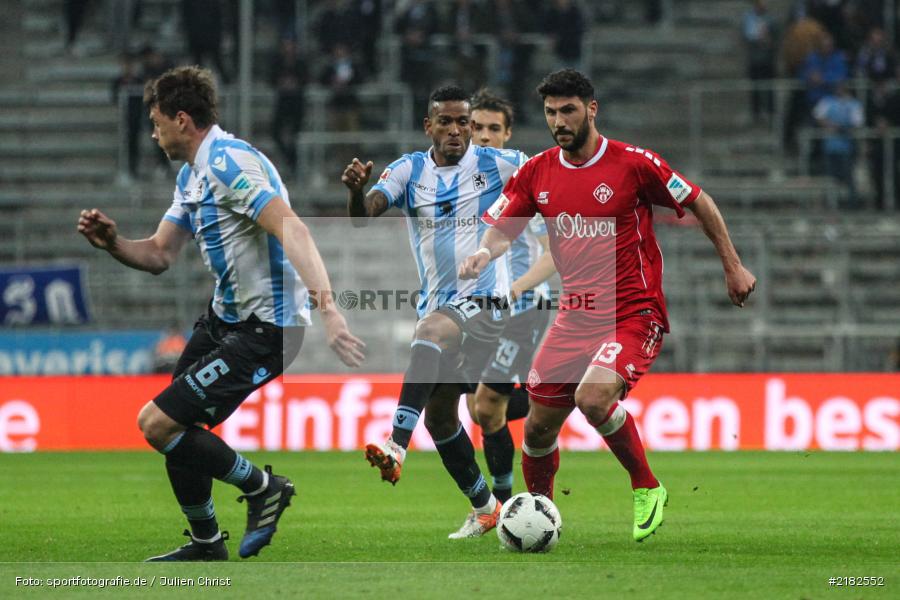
pixel 596 196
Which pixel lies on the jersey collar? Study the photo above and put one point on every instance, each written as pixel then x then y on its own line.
pixel 601 150
pixel 465 161
pixel 202 157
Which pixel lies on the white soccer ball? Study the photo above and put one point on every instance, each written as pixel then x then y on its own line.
pixel 529 523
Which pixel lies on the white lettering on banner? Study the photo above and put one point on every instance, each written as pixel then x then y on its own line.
pixel 318 412
pixel 576 227
pixel 349 408
pixel 780 411
pixel 270 420
pixel 18 419
pixel 666 424
pixel 95 360
pixel 880 415
pixel 705 413
pixel 838 424
pixel 273 417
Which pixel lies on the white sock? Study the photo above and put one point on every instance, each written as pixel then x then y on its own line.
pixel 538 452
pixel 488 508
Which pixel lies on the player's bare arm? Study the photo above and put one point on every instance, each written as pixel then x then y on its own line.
pixel 154 254
pixel 738 280
pixel 494 244
pixel 278 219
pixel 542 270
pixel 360 206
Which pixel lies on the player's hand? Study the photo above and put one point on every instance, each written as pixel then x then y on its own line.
pixel 347 346
pixel 473 265
pixel 100 230
pixel 357 174
pixel 740 282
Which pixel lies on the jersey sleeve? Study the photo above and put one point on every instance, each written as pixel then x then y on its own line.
pixel 662 185
pixel 240 182
pixel 176 213
pixel 508 162
pixel 393 180
pixel 514 207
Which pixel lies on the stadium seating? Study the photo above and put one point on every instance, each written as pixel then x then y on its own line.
pixel 827 298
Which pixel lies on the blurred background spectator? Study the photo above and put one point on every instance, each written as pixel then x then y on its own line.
pixel 839 114
pixel 882 113
pixel 876 60
pixel 340 76
pixel 565 23
pixel 288 78
pixel 126 89
pixel 74 12
pixel 761 36
pixel 416 25
pixel 204 27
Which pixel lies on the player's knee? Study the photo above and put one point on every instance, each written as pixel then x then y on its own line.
pixel 432 331
pixel 539 434
pixel 155 429
pixel 595 400
pixel 439 426
pixel 490 409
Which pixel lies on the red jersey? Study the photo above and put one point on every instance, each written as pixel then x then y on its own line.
pixel 599 217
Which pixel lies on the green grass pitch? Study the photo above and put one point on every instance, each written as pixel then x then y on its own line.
pixel 738 525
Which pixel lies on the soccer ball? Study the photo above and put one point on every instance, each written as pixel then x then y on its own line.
pixel 529 523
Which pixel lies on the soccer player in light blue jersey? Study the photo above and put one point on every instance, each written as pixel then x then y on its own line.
pixel 230 199
pixel 497 401
pixel 443 192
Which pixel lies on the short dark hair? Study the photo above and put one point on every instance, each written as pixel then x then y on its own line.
pixel 484 99
pixel 447 93
pixel 188 89
pixel 566 83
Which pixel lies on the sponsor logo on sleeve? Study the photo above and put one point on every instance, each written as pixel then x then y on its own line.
pixel 498 207
pixel 679 189
pixel 384 175
pixel 543 198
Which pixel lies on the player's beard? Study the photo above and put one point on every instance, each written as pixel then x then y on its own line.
pixel 579 137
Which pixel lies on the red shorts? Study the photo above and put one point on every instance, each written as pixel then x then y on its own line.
pixel 626 350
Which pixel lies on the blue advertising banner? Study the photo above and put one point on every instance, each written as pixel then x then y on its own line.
pixel 83 353
pixel 38 295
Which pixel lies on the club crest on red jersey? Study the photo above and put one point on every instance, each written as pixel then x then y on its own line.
pixel 603 193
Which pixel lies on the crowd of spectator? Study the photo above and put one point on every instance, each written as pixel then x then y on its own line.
pixel 839 53
pixel 846 73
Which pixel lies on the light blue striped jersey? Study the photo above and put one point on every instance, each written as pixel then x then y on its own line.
pixel 443 206
pixel 218 200
pixel 523 253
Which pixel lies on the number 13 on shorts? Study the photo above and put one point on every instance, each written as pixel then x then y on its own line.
pixel 607 353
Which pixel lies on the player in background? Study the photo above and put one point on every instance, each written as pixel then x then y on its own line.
pixel 442 192
pixel 230 199
pixel 596 195
pixel 497 401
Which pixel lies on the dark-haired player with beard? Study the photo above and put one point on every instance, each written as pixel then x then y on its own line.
pixel 596 195
pixel 443 192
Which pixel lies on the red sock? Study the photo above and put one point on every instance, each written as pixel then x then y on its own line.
pixel 625 443
pixel 540 471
